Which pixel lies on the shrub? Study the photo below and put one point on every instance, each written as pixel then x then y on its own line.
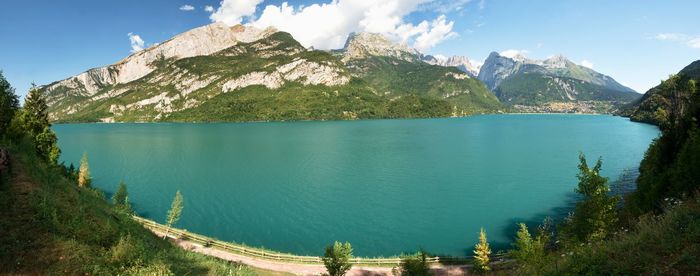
pixel 337 258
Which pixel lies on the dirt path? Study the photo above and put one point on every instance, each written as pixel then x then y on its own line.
pixel 17 214
pixel 304 269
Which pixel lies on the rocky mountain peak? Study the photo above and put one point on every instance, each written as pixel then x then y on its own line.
pixel 362 45
pixel 204 40
pixel 461 62
pixel 556 62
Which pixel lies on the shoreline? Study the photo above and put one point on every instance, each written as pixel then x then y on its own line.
pixel 353 120
pixel 300 265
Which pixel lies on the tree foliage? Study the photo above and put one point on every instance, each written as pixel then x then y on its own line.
pixel 482 251
pixel 121 196
pixel 594 216
pixel 670 166
pixel 84 178
pixel 9 104
pixel 415 265
pixel 337 258
pixel 35 121
pixel 175 210
pixel 529 252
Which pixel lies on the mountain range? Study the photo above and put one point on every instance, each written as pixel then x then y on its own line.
pixel 521 81
pixel 241 73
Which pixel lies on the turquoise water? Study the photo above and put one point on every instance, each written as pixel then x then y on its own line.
pixel 386 186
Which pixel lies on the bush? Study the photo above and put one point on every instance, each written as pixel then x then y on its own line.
pixel 127 252
pixel 337 258
pixel 416 265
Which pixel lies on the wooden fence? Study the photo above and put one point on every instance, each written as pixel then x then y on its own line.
pixel 276 256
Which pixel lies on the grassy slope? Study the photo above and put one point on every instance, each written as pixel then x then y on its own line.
pixel 51 226
pixel 667 244
pixel 400 78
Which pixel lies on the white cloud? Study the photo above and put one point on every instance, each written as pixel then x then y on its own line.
pixel 208 8
pixel 327 25
pixel 232 12
pixel 671 37
pixel 513 53
pixel 445 6
pixel 539 45
pixel 439 31
pixel 692 41
pixel 482 4
pixel 186 8
pixel 137 44
pixel 587 64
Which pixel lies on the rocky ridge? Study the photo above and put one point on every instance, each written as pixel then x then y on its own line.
pixel 363 45
pixel 204 40
pixel 461 62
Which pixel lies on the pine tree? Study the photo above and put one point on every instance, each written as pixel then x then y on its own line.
pixel 529 252
pixel 84 172
pixel 9 104
pixel 35 116
pixel 35 120
pixel 174 212
pixel 481 253
pixel 337 258
pixel 120 197
pixel 523 244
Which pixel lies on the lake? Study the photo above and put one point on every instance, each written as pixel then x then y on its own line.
pixel 386 186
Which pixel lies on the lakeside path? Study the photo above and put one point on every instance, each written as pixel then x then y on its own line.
pixel 302 269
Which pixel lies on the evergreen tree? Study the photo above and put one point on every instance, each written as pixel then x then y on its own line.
pixel 594 216
pixel 35 120
pixel 35 116
pixel 121 197
pixel 528 252
pixel 175 211
pixel 523 244
pixel 9 104
pixel 481 253
pixel 84 178
pixel 337 258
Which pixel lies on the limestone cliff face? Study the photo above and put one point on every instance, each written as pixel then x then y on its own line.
pixel 497 68
pixel 461 62
pixel 244 73
pixel 363 45
pixel 191 69
pixel 201 41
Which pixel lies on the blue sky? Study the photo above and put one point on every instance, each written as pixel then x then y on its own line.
pixel 636 42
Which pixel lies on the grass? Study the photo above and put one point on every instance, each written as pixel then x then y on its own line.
pixel 666 244
pixel 51 226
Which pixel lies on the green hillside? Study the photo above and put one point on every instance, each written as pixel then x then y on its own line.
pixel 50 226
pixel 395 78
pixel 651 107
pixel 190 89
pixel 537 89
